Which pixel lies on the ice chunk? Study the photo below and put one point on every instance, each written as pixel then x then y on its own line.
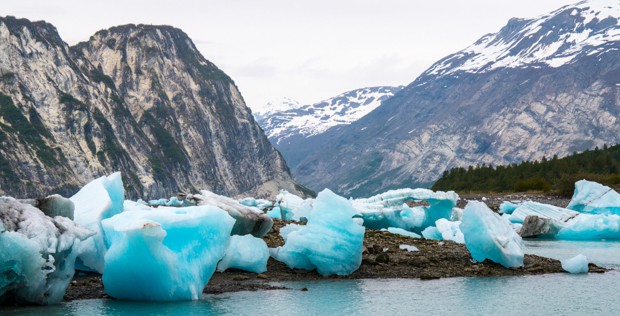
pixel 53 205
pixel 246 253
pixel 409 248
pixel 432 232
pixel 293 207
pixel 507 207
pixel 100 199
pixel 261 204
pixel 275 212
pixel 450 230
pixel 331 242
pixel 558 215
pixel 402 232
pixel 594 198
pixel 577 264
pixel 591 227
pixel 489 236
pixel 248 220
pixel 389 209
pixel 37 253
pixel 165 253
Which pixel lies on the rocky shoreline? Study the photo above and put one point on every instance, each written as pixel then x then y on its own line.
pixel 382 258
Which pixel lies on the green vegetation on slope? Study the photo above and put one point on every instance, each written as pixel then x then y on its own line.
pixel 559 175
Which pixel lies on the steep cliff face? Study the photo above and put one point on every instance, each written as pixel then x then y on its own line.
pixel 139 99
pixel 538 87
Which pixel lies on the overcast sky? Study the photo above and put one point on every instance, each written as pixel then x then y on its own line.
pixel 307 50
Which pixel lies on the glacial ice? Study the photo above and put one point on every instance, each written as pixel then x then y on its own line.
pixel 100 199
pixel 389 209
pixel 260 204
pixel 173 201
pixel 594 198
pixel 248 220
pixel 165 253
pixel 432 232
pixel 450 230
pixel 292 207
pixel 489 236
pixel 37 253
pixel 402 232
pixel 557 214
pixel 591 227
pixel 331 242
pixel 409 248
pixel 577 264
pixel 246 253
pixel 507 207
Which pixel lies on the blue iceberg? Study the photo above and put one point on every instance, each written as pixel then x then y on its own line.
pixel 331 242
pixel 591 227
pixel 577 264
pixel 432 232
pixel 37 253
pixel 489 236
pixel 246 253
pixel 594 198
pixel 507 207
pixel 390 209
pixel 292 207
pixel 100 199
pixel 164 254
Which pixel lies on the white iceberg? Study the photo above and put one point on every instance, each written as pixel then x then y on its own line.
pixel 594 198
pixel 450 230
pixel 100 199
pixel 37 253
pixel 164 254
pixel 292 207
pixel 489 236
pixel 577 264
pixel 402 232
pixel 331 242
pixel 248 220
pixel 246 253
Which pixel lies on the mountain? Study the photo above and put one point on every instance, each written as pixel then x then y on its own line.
pixel 135 98
pixel 288 125
pixel 538 87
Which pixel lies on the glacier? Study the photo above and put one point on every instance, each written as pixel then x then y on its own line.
pixel 99 199
pixel 164 254
pixel 489 236
pixel 246 253
pixel 331 242
pixel 594 198
pixel 577 264
pixel 37 253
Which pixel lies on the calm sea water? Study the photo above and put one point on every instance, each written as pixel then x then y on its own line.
pixel 554 294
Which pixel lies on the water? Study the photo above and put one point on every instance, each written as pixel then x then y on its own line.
pixel 558 294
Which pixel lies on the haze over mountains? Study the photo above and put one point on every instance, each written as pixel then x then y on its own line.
pixel 135 98
pixel 537 87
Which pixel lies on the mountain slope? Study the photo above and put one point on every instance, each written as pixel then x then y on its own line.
pixel 139 99
pixel 288 125
pixel 538 87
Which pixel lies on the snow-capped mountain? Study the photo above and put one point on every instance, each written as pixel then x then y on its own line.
pixel 538 87
pixel 287 120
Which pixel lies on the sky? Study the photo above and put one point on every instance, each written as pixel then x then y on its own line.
pixel 306 50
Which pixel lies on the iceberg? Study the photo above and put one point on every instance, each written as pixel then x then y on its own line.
pixel 37 253
pixel 100 199
pixel 164 254
pixel 432 232
pixel 591 227
pixel 53 205
pixel 489 236
pixel 594 198
pixel 248 220
pixel 507 207
pixel 260 204
pixel 293 207
pixel 390 209
pixel 246 253
pixel 577 264
pixel 402 232
pixel 331 242
pixel 559 216
pixel 450 230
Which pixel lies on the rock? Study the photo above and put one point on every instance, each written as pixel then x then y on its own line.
pixel 429 275
pixel 534 226
pixel 382 258
pixel 262 276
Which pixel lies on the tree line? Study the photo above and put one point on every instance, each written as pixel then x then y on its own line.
pixel 547 175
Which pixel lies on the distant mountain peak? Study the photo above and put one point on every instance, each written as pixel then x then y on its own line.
pixel 553 40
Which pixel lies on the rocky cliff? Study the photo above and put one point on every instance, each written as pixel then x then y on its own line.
pixel 538 87
pixel 139 99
